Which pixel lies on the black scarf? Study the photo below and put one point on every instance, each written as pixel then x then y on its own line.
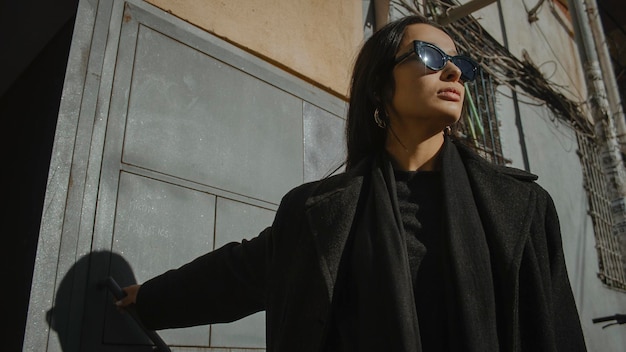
pixel 378 312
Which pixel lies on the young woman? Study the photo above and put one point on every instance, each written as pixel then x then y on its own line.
pixel 419 246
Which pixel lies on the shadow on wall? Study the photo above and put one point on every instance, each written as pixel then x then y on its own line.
pixel 84 316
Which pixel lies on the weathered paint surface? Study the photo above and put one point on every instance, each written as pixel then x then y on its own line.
pixel 314 39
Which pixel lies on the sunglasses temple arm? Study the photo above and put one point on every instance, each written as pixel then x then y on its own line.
pixel 402 57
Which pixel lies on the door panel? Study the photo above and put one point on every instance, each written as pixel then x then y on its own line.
pixel 175 143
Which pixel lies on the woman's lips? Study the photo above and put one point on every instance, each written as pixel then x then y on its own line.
pixel 449 94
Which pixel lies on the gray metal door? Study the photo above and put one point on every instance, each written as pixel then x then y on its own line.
pixel 170 143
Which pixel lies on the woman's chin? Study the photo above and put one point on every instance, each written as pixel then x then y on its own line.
pixel 450 119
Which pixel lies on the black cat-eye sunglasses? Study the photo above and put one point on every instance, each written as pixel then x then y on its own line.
pixel 436 59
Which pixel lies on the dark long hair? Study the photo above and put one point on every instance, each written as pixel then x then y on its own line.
pixel 372 87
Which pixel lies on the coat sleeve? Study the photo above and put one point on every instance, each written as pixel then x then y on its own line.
pixel 221 286
pixel 567 328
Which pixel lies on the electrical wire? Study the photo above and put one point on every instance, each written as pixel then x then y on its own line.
pixel 519 75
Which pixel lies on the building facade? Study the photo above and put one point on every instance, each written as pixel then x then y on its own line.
pixel 179 116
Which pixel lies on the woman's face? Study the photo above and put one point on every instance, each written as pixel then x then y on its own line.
pixel 429 99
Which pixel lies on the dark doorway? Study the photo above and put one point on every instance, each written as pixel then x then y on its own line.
pixel 35 39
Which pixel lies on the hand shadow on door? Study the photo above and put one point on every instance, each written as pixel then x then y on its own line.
pixel 84 315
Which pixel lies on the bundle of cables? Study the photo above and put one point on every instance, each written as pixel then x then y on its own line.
pixel 520 75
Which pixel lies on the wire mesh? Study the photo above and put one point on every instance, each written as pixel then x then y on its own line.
pixel 478 128
pixel 611 270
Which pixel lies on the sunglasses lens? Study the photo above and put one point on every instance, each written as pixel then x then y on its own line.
pixel 467 67
pixel 435 59
pixel 431 57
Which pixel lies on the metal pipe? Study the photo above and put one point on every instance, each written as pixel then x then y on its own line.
pixel 494 121
pixel 381 13
pixel 604 125
pixel 455 13
pixel 608 72
pixel 532 13
pixel 516 109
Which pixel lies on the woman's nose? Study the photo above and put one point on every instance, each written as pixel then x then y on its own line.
pixel 451 72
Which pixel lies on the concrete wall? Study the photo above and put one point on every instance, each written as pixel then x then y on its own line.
pixel 145 87
pixel 316 40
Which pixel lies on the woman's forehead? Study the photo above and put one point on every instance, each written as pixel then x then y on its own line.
pixel 427 33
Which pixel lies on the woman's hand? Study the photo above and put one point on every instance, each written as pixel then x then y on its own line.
pixel 131 296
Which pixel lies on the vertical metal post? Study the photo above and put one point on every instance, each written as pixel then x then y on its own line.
pixel 518 117
pixel 492 121
pixel 604 58
pixel 485 104
pixel 455 13
pixel 381 13
pixel 611 157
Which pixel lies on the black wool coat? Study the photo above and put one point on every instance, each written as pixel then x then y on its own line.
pixel 511 271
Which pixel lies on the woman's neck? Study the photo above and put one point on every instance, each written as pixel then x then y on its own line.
pixel 414 153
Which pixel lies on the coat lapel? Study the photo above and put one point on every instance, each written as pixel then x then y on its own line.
pixel 330 214
pixel 506 208
pixel 470 289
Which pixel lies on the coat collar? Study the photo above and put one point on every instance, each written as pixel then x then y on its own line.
pixel 503 200
pixel 506 203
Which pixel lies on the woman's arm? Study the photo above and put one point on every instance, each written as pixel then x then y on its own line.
pixel 221 286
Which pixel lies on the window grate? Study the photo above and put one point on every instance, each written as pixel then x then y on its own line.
pixel 611 270
pixel 478 128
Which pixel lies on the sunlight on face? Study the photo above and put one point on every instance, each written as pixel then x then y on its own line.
pixel 425 101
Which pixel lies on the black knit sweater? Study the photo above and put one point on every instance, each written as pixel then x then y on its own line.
pixel 420 204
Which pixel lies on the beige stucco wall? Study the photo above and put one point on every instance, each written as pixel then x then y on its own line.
pixel 314 39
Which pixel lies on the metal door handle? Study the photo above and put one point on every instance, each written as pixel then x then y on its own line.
pixel 118 293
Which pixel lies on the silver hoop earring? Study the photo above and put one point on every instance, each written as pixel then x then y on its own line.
pixel 378 120
pixel 447 131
